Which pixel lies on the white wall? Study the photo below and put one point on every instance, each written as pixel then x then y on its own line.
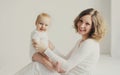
pixel 115 17
pixel 17 21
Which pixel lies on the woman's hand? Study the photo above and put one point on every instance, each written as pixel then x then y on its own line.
pixel 36 57
pixel 51 46
pixel 58 68
pixel 39 46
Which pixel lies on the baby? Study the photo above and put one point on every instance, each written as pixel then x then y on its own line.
pixel 40 36
pixel 40 33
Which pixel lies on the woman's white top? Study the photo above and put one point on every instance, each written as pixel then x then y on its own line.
pixel 39 37
pixel 81 60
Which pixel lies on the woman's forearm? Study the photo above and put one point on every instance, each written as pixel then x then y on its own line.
pixel 43 60
pixel 47 64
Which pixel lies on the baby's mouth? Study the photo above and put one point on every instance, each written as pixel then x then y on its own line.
pixel 42 29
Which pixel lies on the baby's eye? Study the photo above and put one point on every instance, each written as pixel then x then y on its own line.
pixel 41 23
pixel 46 25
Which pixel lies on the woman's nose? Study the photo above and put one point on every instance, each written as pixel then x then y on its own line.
pixel 82 25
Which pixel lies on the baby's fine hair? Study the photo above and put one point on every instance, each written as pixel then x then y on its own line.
pixel 40 16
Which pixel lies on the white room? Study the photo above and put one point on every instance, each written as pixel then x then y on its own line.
pixel 17 21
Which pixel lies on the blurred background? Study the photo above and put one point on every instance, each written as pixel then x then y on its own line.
pixel 17 21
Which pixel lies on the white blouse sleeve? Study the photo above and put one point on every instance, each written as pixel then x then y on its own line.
pixel 57 51
pixel 77 56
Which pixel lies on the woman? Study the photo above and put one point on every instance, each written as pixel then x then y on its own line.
pixel 85 54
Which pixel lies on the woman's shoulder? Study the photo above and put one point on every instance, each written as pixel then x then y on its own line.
pixel 90 44
pixel 91 41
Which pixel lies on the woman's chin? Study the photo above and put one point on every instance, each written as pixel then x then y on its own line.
pixel 81 33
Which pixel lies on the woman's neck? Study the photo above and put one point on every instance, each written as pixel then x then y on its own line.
pixel 84 38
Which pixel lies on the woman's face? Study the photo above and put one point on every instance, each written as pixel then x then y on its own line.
pixel 84 25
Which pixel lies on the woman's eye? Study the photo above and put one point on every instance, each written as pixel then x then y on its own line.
pixel 87 24
pixel 80 20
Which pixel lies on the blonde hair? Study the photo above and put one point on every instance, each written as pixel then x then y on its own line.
pixel 98 26
pixel 40 16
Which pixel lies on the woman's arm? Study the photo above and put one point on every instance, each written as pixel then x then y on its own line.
pixel 43 60
pixel 76 57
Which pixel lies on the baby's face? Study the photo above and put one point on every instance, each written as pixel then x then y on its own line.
pixel 43 24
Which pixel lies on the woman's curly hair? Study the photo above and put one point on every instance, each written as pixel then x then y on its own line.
pixel 98 26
